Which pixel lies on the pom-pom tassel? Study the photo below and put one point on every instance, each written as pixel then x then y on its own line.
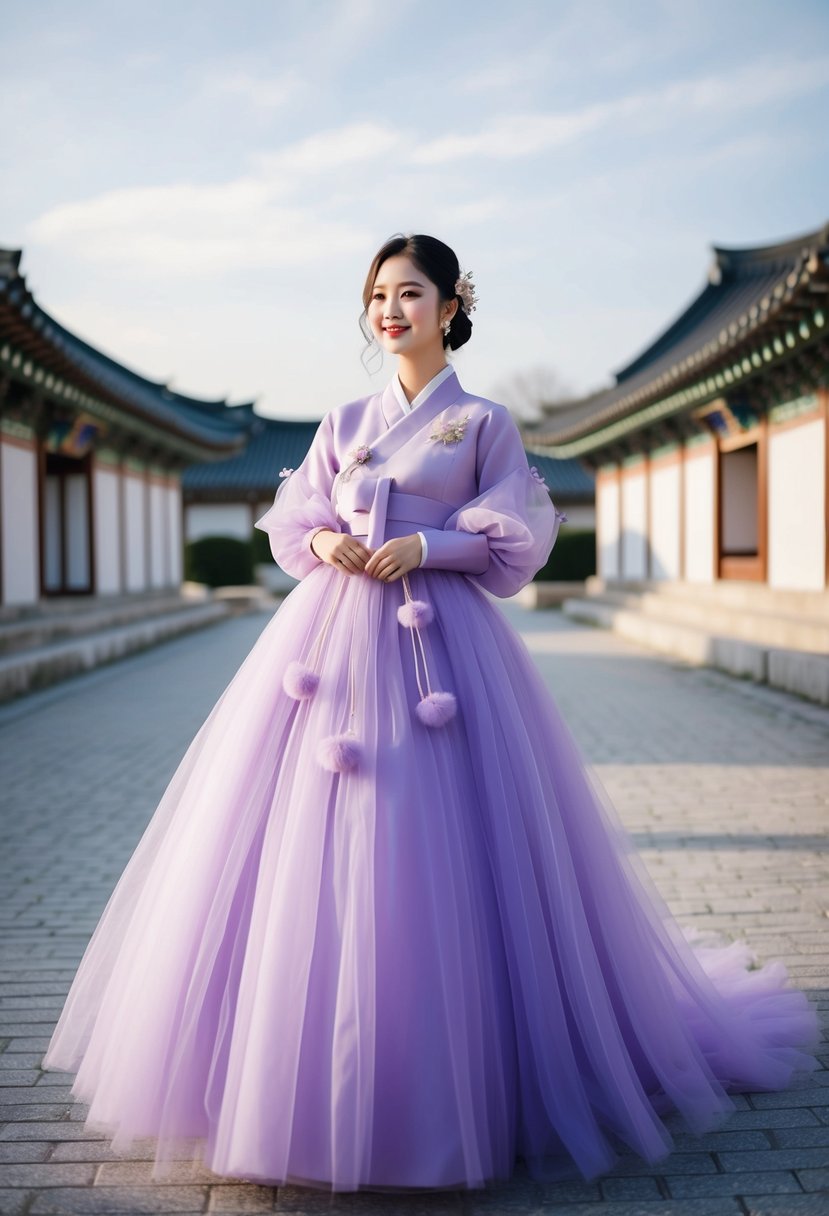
pixel 299 681
pixel 436 708
pixel 415 614
pixel 339 753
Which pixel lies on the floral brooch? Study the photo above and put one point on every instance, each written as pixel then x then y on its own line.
pixel 285 472
pixel 450 432
pixel 359 455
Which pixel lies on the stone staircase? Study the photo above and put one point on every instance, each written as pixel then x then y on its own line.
pixel 56 638
pixel 747 629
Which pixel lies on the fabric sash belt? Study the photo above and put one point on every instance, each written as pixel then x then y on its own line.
pixel 366 503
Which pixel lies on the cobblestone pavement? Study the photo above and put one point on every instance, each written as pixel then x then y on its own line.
pixel 723 785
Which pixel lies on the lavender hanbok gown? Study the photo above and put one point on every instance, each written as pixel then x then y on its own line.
pixel 384 928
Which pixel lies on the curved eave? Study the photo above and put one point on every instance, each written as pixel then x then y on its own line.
pixel 762 338
pixel 37 350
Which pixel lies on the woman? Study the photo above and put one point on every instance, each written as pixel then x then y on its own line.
pixel 383 929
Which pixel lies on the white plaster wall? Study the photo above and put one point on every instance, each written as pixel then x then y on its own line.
pixel 219 519
pixel 136 566
pixel 699 517
pixel 107 533
pixel 173 514
pixel 665 490
pixel 158 539
pixel 579 515
pixel 19 520
pixel 634 530
pixel 796 508
pixel 607 512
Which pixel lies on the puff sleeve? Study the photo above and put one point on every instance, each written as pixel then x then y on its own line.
pixel 302 506
pixel 504 535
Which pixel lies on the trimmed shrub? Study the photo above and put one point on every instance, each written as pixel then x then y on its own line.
pixel 219 561
pixel 573 557
pixel 260 542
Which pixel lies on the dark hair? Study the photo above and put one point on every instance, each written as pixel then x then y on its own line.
pixel 439 263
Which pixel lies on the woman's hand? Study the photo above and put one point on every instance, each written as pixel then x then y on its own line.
pixel 340 549
pixel 395 558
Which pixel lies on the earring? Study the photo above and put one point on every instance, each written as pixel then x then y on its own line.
pixel 446 326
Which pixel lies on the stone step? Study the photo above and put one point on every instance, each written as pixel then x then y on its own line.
pixel 40 666
pixel 750 623
pixel 796 671
pixel 741 594
pixel 25 627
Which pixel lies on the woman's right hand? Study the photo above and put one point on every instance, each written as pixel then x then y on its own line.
pixel 340 549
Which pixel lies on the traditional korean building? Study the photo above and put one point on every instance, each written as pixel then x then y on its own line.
pixel 91 459
pixel 224 497
pixel 711 449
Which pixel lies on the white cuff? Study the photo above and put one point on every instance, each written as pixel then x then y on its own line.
pixel 424 546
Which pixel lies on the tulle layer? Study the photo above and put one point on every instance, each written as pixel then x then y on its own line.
pixel 407 974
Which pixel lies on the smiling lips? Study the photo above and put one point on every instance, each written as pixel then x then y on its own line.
pixel 394 331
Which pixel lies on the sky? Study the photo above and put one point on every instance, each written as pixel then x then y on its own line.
pixel 198 189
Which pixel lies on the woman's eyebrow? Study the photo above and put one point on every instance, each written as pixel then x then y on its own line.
pixel 408 283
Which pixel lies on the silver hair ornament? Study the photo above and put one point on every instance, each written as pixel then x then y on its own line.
pixel 465 288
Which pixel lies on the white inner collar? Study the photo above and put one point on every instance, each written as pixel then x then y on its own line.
pixel 425 392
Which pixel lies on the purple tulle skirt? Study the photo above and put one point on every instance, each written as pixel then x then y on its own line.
pixel 411 973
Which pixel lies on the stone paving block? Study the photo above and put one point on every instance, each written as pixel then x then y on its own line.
pixel 47 1131
pixel 31 1095
pixel 725 794
pixel 814 1180
pixel 724 1206
pixel 19 1076
pixel 13 1202
pixel 791 1205
pixel 630 1188
pixel 139 1173
pixel 49 1174
pixel 67 1201
pixel 17 1060
pixel 721 1141
pixel 23 1152
pixel 242 1199
pixel 98 1150
pixel 787 1116
pixel 774 1159
pixel 676 1163
pixel 811 1098
pixel 770 1182
pixel 801 1137
pixel 37 1113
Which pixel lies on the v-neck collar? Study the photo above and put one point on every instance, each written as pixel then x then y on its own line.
pixel 407 406
pixel 400 426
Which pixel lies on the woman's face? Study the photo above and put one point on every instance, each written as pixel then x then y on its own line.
pixel 404 310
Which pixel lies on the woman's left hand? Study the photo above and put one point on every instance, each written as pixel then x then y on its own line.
pixel 394 558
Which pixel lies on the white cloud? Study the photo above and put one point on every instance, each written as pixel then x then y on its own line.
pixel 260 93
pixel 194 230
pixel 325 150
pixel 475 211
pixel 514 136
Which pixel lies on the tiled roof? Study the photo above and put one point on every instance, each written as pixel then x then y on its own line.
pixel 34 344
pixel 750 292
pixel 274 443
pixel 567 480
pixel 277 443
